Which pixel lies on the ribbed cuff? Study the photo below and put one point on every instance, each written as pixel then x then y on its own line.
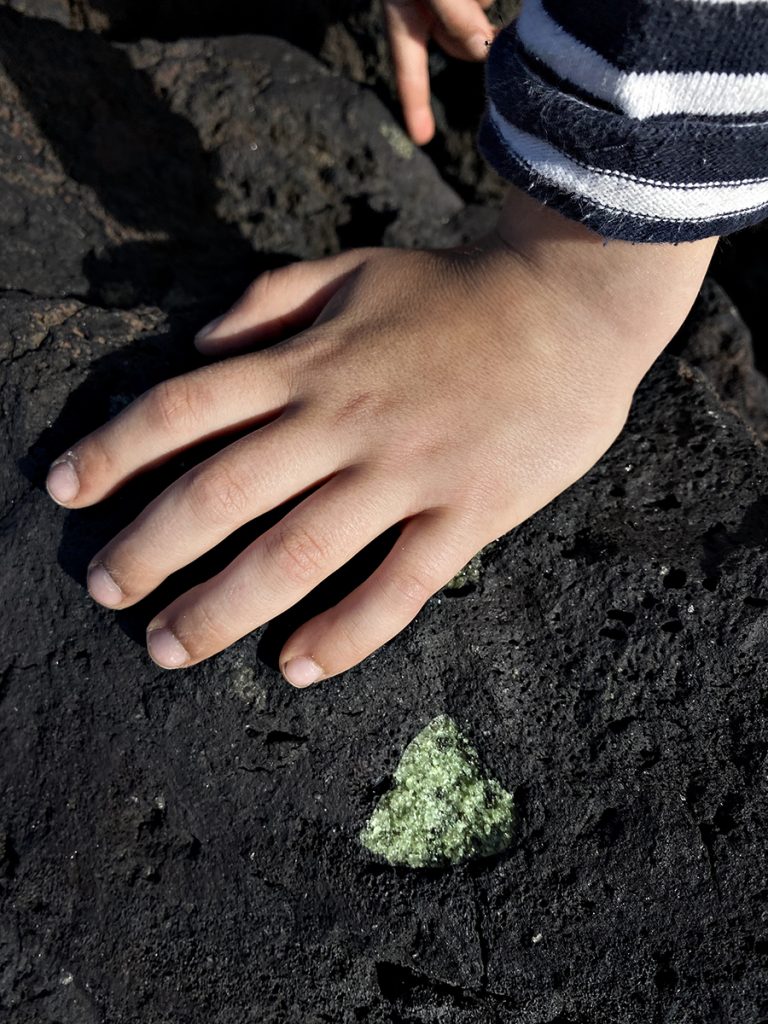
pixel 661 179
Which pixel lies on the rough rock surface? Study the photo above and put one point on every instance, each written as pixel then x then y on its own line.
pixel 740 266
pixel 185 846
pixel 716 341
pixel 273 158
pixel 347 35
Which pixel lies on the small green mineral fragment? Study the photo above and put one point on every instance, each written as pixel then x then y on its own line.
pixel 467 576
pixel 245 684
pixel 472 572
pixel 441 810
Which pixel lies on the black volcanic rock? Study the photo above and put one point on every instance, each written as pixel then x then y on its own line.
pixel 184 846
pixel 716 341
pixel 347 35
pixel 174 173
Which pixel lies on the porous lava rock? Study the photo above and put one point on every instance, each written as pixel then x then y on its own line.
pixel 716 341
pixel 192 165
pixel 346 35
pixel 185 846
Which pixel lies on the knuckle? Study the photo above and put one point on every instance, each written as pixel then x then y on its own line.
pixel 355 639
pixel 171 405
pixel 95 461
pixel 217 495
pixel 413 585
pixel 359 407
pixel 203 633
pixel 297 554
pixel 258 290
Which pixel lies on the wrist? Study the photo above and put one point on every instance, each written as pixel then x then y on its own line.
pixel 636 294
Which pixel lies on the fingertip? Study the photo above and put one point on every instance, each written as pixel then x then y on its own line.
pixel 102 587
pixel 165 649
pixel 207 336
pixel 302 671
pixel 480 44
pixel 421 126
pixel 62 483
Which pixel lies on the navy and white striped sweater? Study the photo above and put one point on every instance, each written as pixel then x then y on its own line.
pixel 647 120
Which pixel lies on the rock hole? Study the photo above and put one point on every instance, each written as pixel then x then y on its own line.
pixel 724 818
pixel 365 225
pixel 666 976
pixel 627 618
pixel 400 985
pixel 672 626
pixel 613 633
pixel 694 792
pixel 9 858
pixel 380 785
pixel 675 579
pixel 756 602
pixel 276 738
pixel 609 827
pixel 649 757
pixel 620 724
pixel 668 502
pixel 590 549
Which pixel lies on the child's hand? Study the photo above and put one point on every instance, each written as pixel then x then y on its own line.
pixel 454 392
pixel 459 26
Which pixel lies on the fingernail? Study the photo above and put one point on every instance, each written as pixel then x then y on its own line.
pixel 62 482
pixel 302 671
pixel 479 46
pixel 165 649
pixel 207 331
pixel 102 587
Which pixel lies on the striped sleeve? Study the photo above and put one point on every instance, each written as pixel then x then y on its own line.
pixel 646 120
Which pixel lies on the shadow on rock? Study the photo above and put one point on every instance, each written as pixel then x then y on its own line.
pixel 113 134
pixel 302 22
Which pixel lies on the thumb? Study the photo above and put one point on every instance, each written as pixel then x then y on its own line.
pixel 279 303
pixel 462 28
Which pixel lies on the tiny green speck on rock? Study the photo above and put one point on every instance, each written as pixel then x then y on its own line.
pixel 441 810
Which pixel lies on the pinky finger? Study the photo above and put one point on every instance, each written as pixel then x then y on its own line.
pixel 428 553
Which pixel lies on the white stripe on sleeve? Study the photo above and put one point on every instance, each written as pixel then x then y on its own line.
pixel 624 194
pixel 733 3
pixel 639 95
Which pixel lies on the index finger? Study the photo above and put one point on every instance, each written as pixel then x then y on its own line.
pixel 408 25
pixel 169 418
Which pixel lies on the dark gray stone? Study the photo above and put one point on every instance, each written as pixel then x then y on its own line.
pixel 716 341
pixel 184 846
pixel 347 35
pixel 192 167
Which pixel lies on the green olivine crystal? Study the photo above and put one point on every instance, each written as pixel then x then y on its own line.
pixel 472 572
pixel 441 810
pixel 469 574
